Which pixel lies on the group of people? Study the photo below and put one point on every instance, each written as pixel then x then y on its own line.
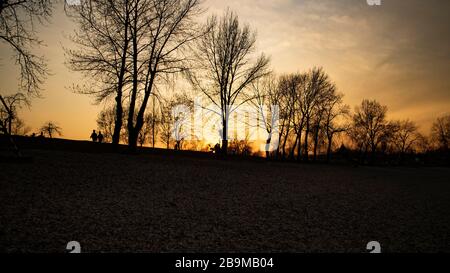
pixel 33 135
pixel 216 149
pixel 97 137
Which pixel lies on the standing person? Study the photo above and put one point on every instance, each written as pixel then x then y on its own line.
pixel 217 148
pixel 94 136
pixel 100 137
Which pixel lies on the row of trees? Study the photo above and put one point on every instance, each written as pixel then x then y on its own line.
pixel 310 109
pixel 313 120
pixel 131 48
pixel 313 116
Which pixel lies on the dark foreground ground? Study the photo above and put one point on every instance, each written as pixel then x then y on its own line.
pixel 156 202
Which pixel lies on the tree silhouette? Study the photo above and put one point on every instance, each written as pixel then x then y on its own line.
pixel 369 126
pixel 103 39
pixel 50 129
pixel 161 31
pixel 266 94
pixel 310 108
pixel 18 30
pixel 106 121
pixel 405 136
pixel 9 107
pixel 290 89
pixel 335 110
pixel 129 46
pixel 440 132
pixel 226 66
pixel 316 90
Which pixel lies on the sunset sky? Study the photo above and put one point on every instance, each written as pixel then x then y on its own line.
pixel 397 53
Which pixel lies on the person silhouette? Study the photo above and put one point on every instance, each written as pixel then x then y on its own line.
pixel 100 137
pixel 217 148
pixel 94 136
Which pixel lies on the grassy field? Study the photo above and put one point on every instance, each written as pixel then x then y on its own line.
pixel 169 202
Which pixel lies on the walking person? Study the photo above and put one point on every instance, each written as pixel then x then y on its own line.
pixel 94 136
pixel 100 137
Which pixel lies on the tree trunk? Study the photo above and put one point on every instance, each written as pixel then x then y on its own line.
pixel 119 108
pixel 280 134
pixel 153 132
pixel 225 137
pixel 10 124
pixel 316 142
pixel 132 140
pixel 268 147
pixel 330 141
pixel 306 141
pixel 119 120
pixel 372 154
pixel 299 147
pixel 284 145
pixel 291 154
pixel 132 135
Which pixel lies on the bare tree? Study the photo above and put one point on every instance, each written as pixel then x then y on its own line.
pixel 440 132
pixel 19 128
pixel 335 111
pixel 161 31
pixel 405 137
pixel 18 30
pixel 423 144
pixel 50 129
pixel 166 125
pixel 369 126
pixel 148 132
pixel 9 110
pixel 103 40
pixel 225 56
pixel 290 88
pixel 317 88
pixel 154 122
pixel 266 100
pixel 175 120
pixel 106 123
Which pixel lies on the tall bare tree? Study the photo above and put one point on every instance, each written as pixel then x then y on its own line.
pixel 227 65
pixel 266 100
pixel 161 32
pixel 18 20
pixel 290 88
pixel 318 87
pixel 334 123
pixel 154 121
pixel 102 53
